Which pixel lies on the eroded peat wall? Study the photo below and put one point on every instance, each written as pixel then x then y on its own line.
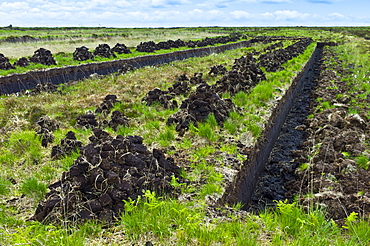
pixel 243 186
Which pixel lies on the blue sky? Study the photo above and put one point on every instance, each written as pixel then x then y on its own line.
pixel 175 13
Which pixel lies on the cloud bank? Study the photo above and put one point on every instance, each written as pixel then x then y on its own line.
pixel 169 13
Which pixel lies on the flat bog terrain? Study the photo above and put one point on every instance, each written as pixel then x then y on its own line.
pixel 199 136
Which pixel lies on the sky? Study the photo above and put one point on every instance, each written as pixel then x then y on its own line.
pixel 184 13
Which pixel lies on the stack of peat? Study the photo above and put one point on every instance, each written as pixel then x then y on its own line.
pixel 82 54
pixel 273 60
pixel 121 49
pixel 244 75
pixel 4 63
pixel 167 98
pixel 104 50
pixel 43 56
pixel 109 171
pixel 200 104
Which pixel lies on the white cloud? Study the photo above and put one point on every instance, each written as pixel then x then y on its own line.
pixel 238 14
pixel 268 1
pixel 121 4
pixel 285 15
pixel 336 15
pixel 35 10
pixel 175 13
pixel 196 12
pixel 14 6
pixel 37 1
pixel 159 3
pixel 276 1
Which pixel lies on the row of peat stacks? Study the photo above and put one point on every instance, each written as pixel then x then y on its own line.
pixel 45 57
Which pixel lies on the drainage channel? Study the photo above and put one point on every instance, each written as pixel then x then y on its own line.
pixel 18 82
pixel 263 177
pixel 279 172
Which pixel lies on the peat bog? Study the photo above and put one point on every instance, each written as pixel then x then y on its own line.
pixel 157 161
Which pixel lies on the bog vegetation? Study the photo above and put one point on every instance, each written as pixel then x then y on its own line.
pixel 206 152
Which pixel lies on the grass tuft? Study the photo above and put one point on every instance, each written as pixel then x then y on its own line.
pixel 363 161
pixel 33 188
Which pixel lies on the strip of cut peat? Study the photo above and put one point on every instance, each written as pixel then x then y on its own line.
pixel 280 169
pixel 17 82
pixel 271 186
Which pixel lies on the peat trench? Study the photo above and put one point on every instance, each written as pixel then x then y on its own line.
pixel 17 82
pixel 269 169
pixel 280 169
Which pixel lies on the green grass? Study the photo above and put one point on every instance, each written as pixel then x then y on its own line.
pixel 289 224
pixel 207 131
pixel 229 148
pixel 363 161
pixel 241 99
pixel 167 135
pixel 33 188
pixel 38 234
pixel 5 186
pixel 302 227
pixel 22 146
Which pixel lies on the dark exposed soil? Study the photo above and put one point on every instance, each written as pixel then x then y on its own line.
pixel 151 46
pixel 46 127
pixel 308 159
pixel 106 106
pixel 87 121
pixel 335 139
pixel 274 182
pixel 168 98
pixel 126 68
pixel 244 75
pixel 200 104
pixel 43 87
pixel 218 70
pixel 158 96
pixel 22 62
pixel 108 171
pixel 274 59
